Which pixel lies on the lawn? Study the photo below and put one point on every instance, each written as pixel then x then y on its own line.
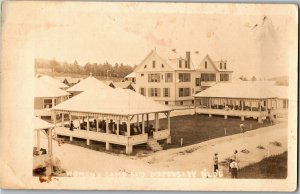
pixel 273 167
pixel 198 128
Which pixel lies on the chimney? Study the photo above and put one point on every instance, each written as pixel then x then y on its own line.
pixel 188 58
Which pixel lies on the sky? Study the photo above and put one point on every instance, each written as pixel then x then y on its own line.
pixel 254 39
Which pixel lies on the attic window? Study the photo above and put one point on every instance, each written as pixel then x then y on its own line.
pixel 225 65
pixel 153 64
pixel 221 65
pixel 145 66
pixel 180 65
pixel 162 66
pixel 186 64
pixel 205 64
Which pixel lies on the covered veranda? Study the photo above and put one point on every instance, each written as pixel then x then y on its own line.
pixel 42 155
pixel 236 99
pixel 117 116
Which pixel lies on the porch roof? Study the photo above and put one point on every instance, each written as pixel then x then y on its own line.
pixel 112 102
pixel 238 90
pixel 41 124
pixel 45 89
pixel 53 81
pixel 89 83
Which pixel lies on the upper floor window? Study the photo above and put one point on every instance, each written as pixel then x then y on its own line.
pixel 162 65
pixel 225 65
pixel 154 77
pixel 221 65
pixel 183 92
pixel 142 75
pixel 48 103
pixel 197 81
pixel 154 92
pixel 153 64
pixel 169 77
pixel 145 66
pixel 205 64
pixel 166 92
pixel 224 77
pixel 186 64
pixel 180 63
pixel 143 91
pixel 184 77
pixel 208 77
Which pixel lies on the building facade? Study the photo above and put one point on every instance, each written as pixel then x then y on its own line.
pixel 174 80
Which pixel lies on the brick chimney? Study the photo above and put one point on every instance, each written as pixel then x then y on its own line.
pixel 188 58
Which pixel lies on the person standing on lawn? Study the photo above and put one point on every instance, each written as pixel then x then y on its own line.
pixel 216 163
pixel 233 157
pixel 234 169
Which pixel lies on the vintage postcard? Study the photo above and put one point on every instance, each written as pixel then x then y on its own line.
pixel 149 96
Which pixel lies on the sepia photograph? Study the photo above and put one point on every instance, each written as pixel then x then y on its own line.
pixel 132 94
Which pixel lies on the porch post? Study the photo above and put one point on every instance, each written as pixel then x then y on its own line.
pixel 147 115
pixel 38 136
pixel 53 102
pixel 118 127
pixel 97 124
pixel 260 105
pixel 242 102
pixel 50 148
pixel 155 118
pixel 54 119
pixel 169 121
pixel 137 120
pixel 157 115
pixel 107 130
pixel 62 119
pixel 143 124
pixel 87 130
pixel 128 126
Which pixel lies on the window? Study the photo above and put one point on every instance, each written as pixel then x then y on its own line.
pixel 186 64
pixel 166 102
pixel 143 91
pixel 166 92
pixel 205 64
pixel 162 66
pixel 145 66
pixel 224 77
pixel 142 75
pixel 180 65
pixel 162 76
pixel 154 77
pixel 208 77
pixel 168 77
pixel 221 65
pixel 184 77
pixel 197 81
pixel 48 103
pixel 153 64
pixel 225 65
pixel 154 92
pixel 183 92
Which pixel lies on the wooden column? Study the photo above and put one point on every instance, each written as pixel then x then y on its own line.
pixel 50 148
pixel 147 115
pixel 54 118
pixel 118 127
pixel 62 119
pixel 242 102
pixel 87 130
pixel 137 120
pixel 38 139
pixel 260 105
pixel 155 119
pixel 195 105
pixel 143 124
pixel 128 126
pixel 169 121
pixel 250 105
pixel 53 102
pixel 157 114
pixel 107 130
pixel 97 124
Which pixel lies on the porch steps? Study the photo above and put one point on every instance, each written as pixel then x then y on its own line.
pixel 154 145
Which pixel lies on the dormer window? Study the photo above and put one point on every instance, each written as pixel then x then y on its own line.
pixel 225 65
pixel 162 66
pixel 145 66
pixel 205 65
pixel 221 65
pixel 180 63
pixel 153 64
pixel 186 64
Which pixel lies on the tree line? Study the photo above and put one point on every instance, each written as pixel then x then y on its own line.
pixel 97 69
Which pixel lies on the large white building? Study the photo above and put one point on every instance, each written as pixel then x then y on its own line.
pixel 173 80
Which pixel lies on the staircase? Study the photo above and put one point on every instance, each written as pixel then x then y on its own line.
pixel 154 145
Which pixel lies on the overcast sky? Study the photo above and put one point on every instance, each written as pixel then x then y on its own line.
pixel 254 39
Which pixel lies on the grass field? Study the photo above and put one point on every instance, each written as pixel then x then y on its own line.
pixel 198 128
pixel 273 167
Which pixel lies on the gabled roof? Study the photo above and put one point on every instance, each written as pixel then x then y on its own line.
pixel 53 81
pixel 111 101
pixel 238 90
pixel 216 64
pixel 70 80
pixel 123 85
pixel 89 83
pixel 44 89
pixel 41 124
pixel 131 75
